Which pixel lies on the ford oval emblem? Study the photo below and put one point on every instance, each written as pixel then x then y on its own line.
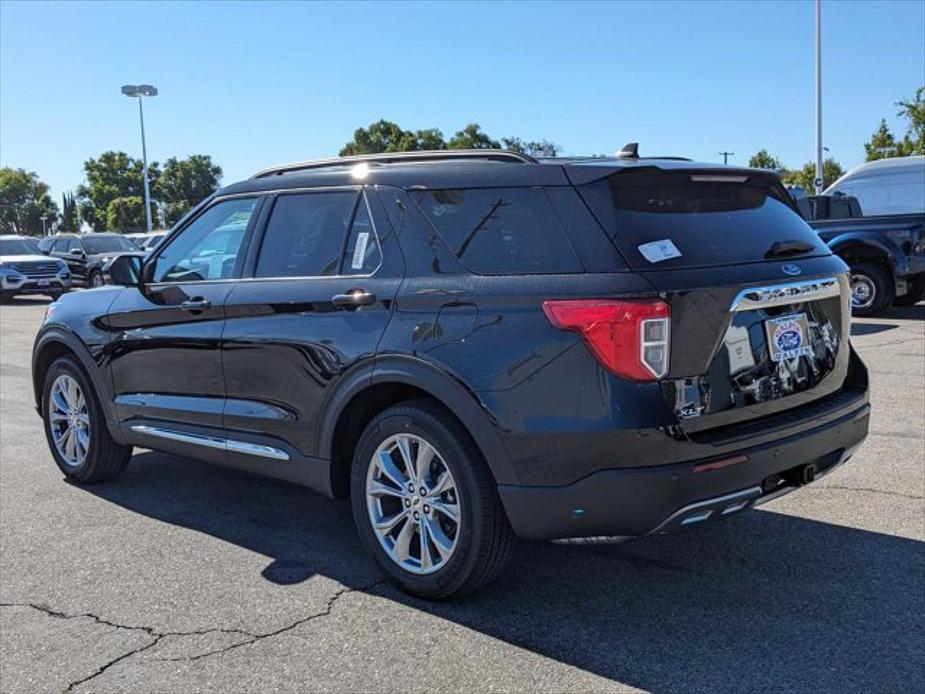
pixel 792 270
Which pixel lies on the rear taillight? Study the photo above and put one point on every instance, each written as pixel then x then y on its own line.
pixel 629 338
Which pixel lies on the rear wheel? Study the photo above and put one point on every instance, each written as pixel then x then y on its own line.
pixel 872 289
pixel 75 427
pixel 425 503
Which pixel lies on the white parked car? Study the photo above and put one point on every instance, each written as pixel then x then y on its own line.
pixel 24 270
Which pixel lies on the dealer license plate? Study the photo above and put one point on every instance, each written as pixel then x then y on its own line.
pixel 788 337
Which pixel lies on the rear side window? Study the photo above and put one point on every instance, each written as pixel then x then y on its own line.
pixel 500 231
pixel 305 235
pixel 662 220
pixel 362 255
pixel 887 193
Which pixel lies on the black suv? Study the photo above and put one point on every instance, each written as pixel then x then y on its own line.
pixel 87 254
pixel 474 346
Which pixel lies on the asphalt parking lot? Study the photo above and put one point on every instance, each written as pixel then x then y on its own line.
pixel 184 577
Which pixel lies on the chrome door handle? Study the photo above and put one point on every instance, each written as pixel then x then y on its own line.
pixel 196 305
pixel 353 299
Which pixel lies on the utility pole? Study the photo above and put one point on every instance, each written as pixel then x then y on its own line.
pixel 725 155
pixel 819 170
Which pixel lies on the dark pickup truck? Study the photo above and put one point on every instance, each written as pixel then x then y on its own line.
pixel 874 219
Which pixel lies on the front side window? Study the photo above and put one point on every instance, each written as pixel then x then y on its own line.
pixel 209 247
pixel 65 245
pixel 305 235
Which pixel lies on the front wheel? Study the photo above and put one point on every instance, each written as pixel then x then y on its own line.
pixel 425 503
pixel 96 279
pixel 75 426
pixel 872 289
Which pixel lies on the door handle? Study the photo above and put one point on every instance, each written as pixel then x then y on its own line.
pixel 196 305
pixel 353 299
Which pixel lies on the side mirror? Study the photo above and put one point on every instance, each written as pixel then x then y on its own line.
pixel 76 252
pixel 123 270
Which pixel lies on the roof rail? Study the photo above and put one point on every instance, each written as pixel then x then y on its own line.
pixel 400 157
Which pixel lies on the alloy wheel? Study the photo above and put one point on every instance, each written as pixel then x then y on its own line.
pixel 863 291
pixel 413 503
pixel 69 420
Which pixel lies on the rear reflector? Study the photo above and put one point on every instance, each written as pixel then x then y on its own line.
pixel 720 464
pixel 629 338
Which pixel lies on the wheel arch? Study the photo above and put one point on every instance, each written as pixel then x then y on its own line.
pixel 389 380
pixel 57 342
pixel 857 250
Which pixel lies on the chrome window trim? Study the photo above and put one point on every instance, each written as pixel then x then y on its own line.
pixel 221 444
pixel 786 293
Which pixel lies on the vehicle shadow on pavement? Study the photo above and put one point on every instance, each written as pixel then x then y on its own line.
pixel 762 601
pixel 858 329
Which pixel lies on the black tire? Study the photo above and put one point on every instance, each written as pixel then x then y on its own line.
pixel 6 297
pixel 105 458
pixel 484 538
pixel 95 279
pixel 878 281
pixel 54 296
pixel 915 294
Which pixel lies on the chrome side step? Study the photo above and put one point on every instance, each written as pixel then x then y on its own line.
pixel 229 445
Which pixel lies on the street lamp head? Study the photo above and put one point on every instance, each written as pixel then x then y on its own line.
pixel 139 90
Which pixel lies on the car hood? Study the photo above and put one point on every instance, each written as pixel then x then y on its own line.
pixel 26 259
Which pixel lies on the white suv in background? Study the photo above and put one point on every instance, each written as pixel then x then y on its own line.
pixel 24 270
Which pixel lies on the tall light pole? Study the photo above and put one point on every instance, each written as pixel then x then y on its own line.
pixel 819 167
pixel 44 219
pixel 140 90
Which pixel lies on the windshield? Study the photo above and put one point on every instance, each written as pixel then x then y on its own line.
pixel 108 244
pixel 19 247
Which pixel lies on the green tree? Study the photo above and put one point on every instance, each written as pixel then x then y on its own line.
pixel 831 171
pixel 763 159
pixel 534 148
pixel 472 137
pixel 68 223
pixel 113 175
pixel 24 200
pixel 183 183
pixel 382 136
pixel 914 111
pixel 126 214
pixel 882 144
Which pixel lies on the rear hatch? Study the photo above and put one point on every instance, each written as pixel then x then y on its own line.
pixel 759 306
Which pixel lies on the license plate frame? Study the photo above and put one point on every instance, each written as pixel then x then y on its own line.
pixel 788 337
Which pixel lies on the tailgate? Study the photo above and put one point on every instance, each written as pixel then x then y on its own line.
pixel 745 350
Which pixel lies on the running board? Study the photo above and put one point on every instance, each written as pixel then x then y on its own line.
pixel 229 445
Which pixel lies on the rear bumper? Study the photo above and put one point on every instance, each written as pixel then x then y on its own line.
pixel 637 501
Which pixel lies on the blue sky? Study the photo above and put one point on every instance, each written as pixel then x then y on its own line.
pixel 255 84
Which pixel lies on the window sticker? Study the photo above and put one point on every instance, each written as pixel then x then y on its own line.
pixel 657 251
pixel 359 253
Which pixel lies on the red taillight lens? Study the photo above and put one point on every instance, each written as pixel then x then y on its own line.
pixel 630 338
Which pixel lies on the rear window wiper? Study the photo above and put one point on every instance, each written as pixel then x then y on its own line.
pixel 785 248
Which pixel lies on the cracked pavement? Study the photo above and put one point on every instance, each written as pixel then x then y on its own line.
pixel 184 577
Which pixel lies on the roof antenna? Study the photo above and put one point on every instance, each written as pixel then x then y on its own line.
pixel 629 151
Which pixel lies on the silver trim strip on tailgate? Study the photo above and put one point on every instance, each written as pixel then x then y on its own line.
pixel 783 294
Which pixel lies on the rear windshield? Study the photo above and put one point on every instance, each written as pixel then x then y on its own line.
pixel 662 220
pixel 500 231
